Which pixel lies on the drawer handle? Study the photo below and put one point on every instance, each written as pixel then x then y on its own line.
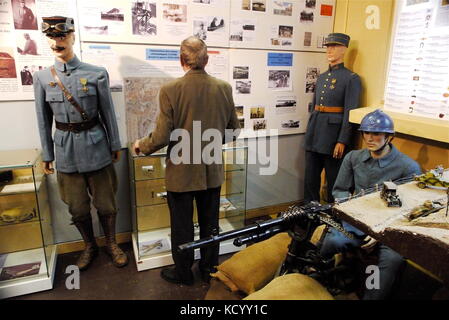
pixel 147 168
pixel 162 195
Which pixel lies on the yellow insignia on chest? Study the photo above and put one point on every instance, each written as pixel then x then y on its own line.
pixel 83 82
pixel 332 87
pixel 334 81
pixel 52 84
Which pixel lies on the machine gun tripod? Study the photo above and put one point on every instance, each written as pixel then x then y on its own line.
pixel 303 256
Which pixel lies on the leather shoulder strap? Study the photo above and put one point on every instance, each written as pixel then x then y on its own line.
pixel 68 95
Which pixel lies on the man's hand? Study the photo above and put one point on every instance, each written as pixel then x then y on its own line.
pixel 115 156
pixel 47 166
pixel 339 150
pixel 368 243
pixel 136 147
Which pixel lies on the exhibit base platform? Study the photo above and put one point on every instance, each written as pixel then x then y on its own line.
pixel 17 284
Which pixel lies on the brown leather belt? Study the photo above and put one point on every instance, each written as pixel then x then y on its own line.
pixel 77 126
pixel 329 109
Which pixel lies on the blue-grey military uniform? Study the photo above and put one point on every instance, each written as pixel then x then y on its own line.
pixel 337 87
pixel 88 150
pixel 360 171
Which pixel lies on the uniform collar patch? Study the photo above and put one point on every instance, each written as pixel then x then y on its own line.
pixel 71 65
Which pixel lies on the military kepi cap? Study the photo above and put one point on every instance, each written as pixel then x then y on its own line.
pixel 57 26
pixel 337 38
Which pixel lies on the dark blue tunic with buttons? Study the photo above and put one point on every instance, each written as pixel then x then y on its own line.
pixel 88 150
pixel 337 87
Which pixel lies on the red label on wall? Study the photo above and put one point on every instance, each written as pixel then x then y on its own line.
pixel 326 10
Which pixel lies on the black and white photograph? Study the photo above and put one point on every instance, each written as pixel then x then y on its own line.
pixel 200 29
pixel 202 1
pixel 27 43
pixel 258 5
pixel 282 8
pixel 307 39
pixel 311 78
pixel 285 31
pixel 290 124
pixel 241 72
pixel 286 42
pixel 285 103
pixel 114 14
pixel 242 122
pixel 26 74
pixel 311 4
pixel 306 16
pixel 239 111
pixel 243 86
pixel 215 24
pixel 257 113
pixel 260 124
pixel 176 13
pixel 24 14
pixel 144 18
pixel 278 79
pixel 242 30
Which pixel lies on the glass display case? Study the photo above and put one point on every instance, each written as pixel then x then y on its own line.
pixel 27 250
pixel 151 216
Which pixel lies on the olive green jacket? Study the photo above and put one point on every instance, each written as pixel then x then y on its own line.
pixel 200 97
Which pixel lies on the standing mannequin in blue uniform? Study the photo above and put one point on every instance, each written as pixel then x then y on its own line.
pixel 86 140
pixel 362 169
pixel 329 131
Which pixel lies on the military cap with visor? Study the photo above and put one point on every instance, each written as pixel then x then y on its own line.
pixel 57 26
pixel 337 38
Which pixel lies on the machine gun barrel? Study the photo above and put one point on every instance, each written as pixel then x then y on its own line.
pixel 261 230
pixel 258 228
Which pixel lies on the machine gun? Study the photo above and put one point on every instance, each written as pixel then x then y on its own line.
pixel 303 256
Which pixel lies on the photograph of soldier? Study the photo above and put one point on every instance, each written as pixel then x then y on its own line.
pixel 199 29
pixel 285 31
pixel 257 112
pixel 243 86
pixel 311 78
pixel 26 76
pixel 86 142
pixel 144 17
pixel 259 124
pixel 23 15
pixel 278 79
pixel 29 46
pixel 240 72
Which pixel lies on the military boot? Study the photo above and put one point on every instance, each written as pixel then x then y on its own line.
pixel 91 249
pixel 119 258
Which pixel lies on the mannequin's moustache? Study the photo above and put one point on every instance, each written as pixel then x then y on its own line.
pixel 57 48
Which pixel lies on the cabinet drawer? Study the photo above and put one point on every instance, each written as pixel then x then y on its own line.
pixel 158 216
pixel 150 192
pixel 12 237
pixel 149 168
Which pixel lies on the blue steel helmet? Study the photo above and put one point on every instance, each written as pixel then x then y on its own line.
pixel 377 121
